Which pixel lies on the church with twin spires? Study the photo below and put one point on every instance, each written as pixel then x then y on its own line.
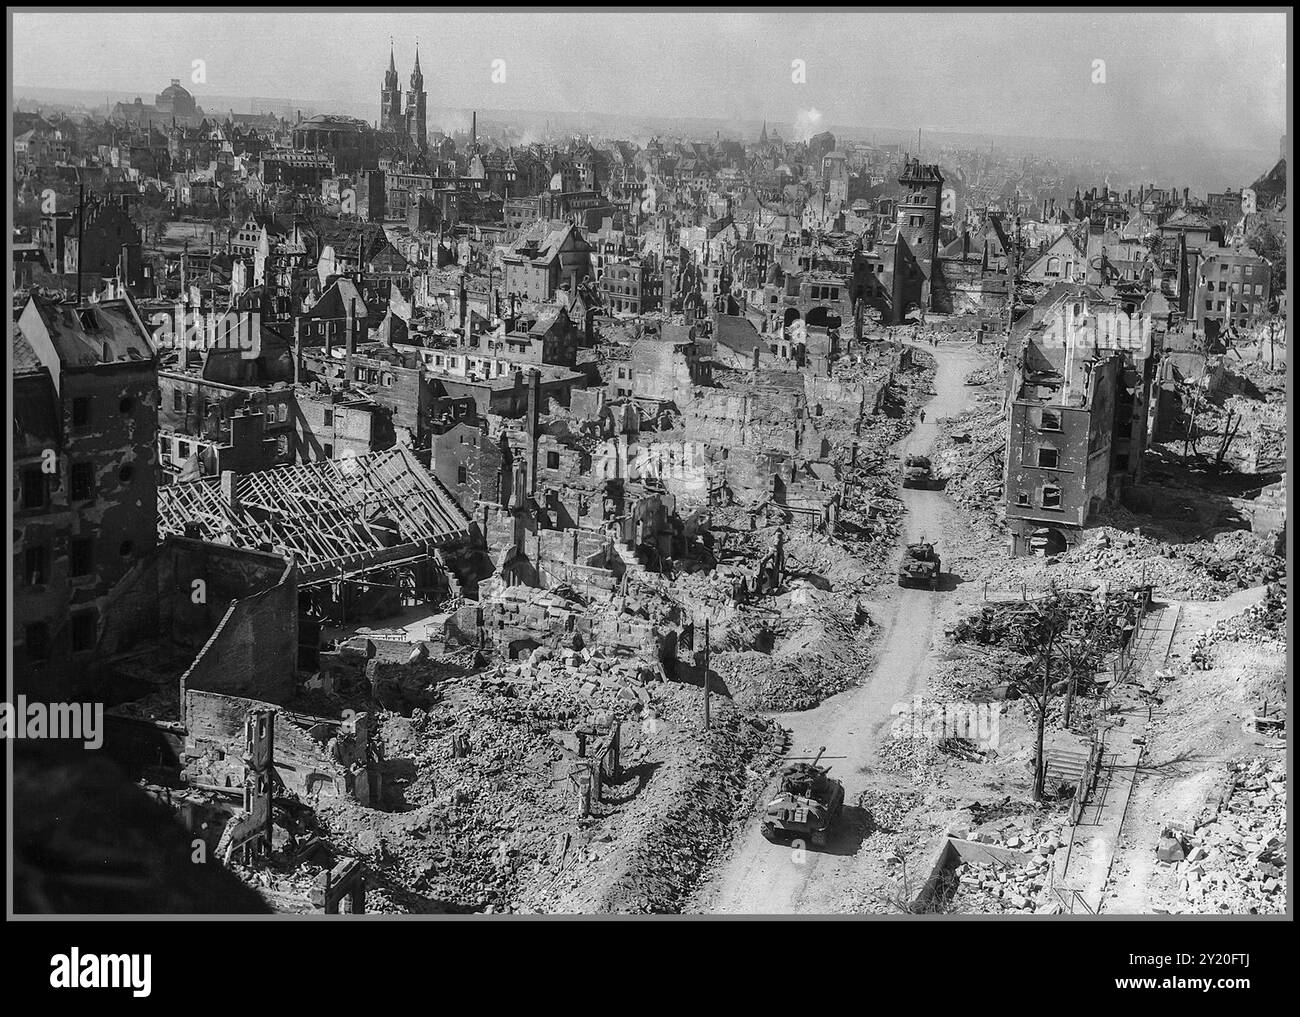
pixel 412 122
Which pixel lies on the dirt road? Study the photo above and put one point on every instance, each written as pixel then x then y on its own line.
pixel 764 878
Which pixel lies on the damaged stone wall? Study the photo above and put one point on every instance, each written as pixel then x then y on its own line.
pixel 764 420
pixel 226 573
pixel 324 760
pixel 523 615
pixel 254 649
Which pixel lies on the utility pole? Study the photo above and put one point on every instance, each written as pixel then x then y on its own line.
pixel 1071 663
pixel 81 231
pixel 1040 768
pixel 1013 270
pixel 706 674
pixel 1196 402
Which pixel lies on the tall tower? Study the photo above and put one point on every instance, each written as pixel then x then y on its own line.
pixel 417 127
pixel 918 213
pixel 918 228
pixel 390 98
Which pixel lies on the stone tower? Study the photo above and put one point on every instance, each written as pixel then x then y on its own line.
pixel 390 99
pixel 417 128
pixel 918 212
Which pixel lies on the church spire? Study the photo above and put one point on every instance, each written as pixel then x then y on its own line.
pixel 416 109
pixel 390 96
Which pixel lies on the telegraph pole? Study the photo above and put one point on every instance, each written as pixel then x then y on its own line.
pixel 1040 763
pixel 1011 291
pixel 706 673
pixel 81 230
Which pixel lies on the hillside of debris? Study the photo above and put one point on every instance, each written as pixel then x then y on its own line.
pixel 481 808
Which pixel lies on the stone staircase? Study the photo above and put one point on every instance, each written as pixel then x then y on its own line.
pixel 631 563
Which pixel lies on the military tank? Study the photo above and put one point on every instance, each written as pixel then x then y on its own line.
pixel 920 566
pixel 917 471
pixel 807 806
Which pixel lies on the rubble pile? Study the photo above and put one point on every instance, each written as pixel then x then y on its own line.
pixel 1020 833
pixel 713 781
pixel 989 374
pixel 970 456
pixel 775 684
pixel 792 650
pixel 1205 570
pixel 994 888
pixel 907 390
pixel 1258 426
pixel 1106 615
pixel 974 672
pixel 919 757
pixel 480 807
pixel 599 675
pixel 887 811
pixel 1264 622
pixel 1236 862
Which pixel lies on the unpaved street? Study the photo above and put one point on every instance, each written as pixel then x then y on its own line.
pixel 760 877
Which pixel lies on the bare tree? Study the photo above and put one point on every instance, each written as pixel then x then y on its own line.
pixel 1080 659
pixel 1038 637
pixel 1230 430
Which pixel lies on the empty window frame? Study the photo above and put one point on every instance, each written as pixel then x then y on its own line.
pixel 36 565
pixel 34 492
pixel 83 482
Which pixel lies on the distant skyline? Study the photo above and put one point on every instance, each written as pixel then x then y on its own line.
pixel 1170 78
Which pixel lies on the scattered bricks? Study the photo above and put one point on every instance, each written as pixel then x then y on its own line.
pixel 1169 850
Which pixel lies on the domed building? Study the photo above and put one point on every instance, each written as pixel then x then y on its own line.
pixel 175 101
pixel 172 104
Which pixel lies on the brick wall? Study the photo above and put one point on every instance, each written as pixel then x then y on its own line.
pixel 254 650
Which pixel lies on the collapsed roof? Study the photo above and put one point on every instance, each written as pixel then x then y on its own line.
pixel 331 516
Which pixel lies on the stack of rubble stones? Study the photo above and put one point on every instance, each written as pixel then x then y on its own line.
pixel 1264 622
pixel 1208 570
pixel 985 887
pixel 1236 862
pixel 593 672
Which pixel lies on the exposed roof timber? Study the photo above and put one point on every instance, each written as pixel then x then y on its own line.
pixel 319 513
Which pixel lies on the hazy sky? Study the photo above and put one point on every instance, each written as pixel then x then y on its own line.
pixel 1169 77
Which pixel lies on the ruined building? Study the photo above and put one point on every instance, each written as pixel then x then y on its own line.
pixel 1080 405
pixel 85 430
pixel 918 235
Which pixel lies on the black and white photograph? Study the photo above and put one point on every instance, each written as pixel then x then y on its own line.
pixel 509 464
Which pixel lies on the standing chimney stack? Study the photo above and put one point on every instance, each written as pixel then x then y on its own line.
pixel 534 425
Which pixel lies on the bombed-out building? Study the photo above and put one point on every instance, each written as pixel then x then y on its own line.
pixel 85 454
